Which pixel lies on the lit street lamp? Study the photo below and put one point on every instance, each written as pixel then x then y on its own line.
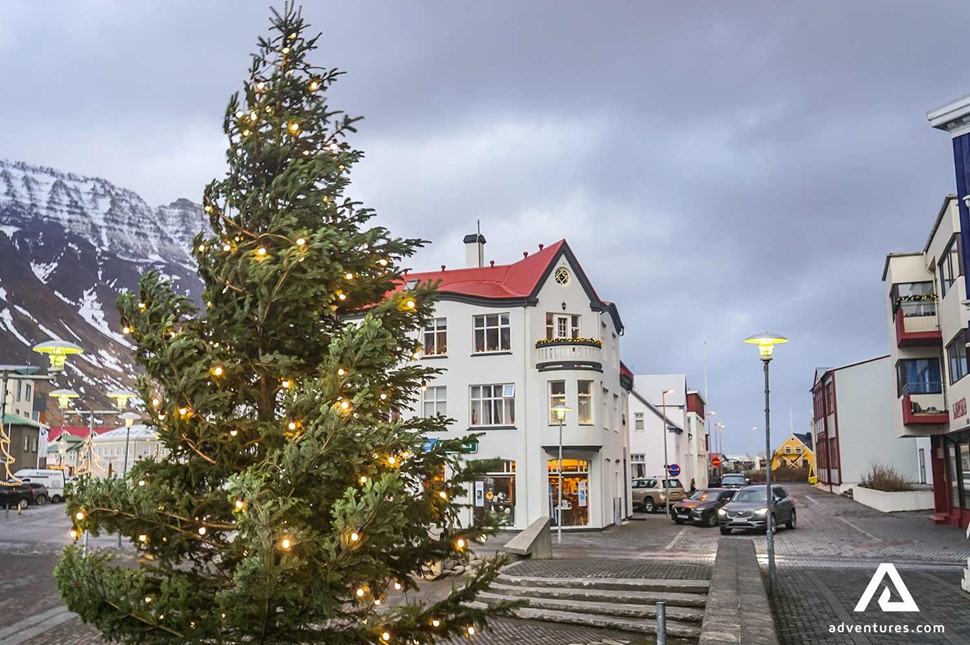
pixel 57 352
pixel 766 343
pixel 560 412
pixel 666 480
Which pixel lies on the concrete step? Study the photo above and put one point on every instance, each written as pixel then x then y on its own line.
pixel 618 584
pixel 672 599
pixel 674 628
pixel 622 610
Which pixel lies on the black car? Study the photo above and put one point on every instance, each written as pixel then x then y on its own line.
pixel 39 494
pixel 701 507
pixel 15 495
pixel 749 510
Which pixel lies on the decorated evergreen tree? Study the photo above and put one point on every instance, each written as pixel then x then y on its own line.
pixel 295 505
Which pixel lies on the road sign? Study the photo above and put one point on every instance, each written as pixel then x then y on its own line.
pixel 716 462
pixel 674 470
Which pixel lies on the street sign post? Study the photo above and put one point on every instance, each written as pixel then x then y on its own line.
pixel 674 470
pixel 716 462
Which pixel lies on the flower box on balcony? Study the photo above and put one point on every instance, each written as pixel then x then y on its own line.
pixel 552 342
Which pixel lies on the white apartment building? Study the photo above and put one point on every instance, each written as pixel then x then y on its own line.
pixel 20 397
pixel 927 321
pixel 514 341
pixel 109 449
pixel 856 425
pixel 686 434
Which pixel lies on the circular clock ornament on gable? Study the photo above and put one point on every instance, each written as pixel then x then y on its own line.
pixel 562 276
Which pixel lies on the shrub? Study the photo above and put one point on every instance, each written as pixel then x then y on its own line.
pixel 885 478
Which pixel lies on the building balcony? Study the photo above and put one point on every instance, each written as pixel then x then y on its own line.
pixel 569 354
pixel 922 406
pixel 917 325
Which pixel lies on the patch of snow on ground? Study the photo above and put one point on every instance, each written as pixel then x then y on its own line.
pixel 70 331
pixel 7 319
pixel 9 230
pixel 92 312
pixel 43 271
pixel 3 293
pixel 63 297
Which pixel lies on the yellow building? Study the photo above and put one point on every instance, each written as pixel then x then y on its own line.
pixel 794 452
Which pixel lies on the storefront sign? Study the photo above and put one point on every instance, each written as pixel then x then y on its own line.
pixel 480 493
pixel 960 409
pixel 582 493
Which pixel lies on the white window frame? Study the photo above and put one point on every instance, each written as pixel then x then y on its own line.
pixel 556 398
pixel 481 323
pixel 437 332
pixel 435 396
pixel 638 422
pixel 584 399
pixel 493 399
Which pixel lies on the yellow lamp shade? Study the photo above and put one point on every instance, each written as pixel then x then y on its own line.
pixel 64 397
pixel 57 352
pixel 766 343
pixel 121 397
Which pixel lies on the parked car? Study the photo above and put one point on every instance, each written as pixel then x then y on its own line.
pixel 53 479
pixel 649 495
pixel 734 480
pixel 701 507
pixel 749 510
pixel 39 495
pixel 14 496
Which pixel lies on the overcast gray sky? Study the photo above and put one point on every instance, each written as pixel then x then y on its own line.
pixel 720 168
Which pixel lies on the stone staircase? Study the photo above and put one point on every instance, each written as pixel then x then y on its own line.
pixel 624 604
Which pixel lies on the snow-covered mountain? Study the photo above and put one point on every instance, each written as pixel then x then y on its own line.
pixel 68 245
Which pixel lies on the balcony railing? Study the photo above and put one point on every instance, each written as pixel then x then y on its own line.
pixel 917 324
pixel 569 353
pixel 924 403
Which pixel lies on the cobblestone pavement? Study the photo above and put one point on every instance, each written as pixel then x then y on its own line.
pixel 824 567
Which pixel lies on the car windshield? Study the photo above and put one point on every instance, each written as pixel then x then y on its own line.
pixel 750 495
pixel 733 478
pixel 702 495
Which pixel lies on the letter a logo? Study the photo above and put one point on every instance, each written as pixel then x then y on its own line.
pixel 905 604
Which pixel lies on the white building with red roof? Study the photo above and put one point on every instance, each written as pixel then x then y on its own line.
pixel 514 341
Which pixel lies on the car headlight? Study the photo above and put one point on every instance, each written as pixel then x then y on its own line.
pixel 761 511
pixel 721 511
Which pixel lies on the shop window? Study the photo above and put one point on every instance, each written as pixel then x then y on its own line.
pixel 494 493
pixel 575 491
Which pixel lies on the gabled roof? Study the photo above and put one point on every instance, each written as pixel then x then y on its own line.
pixel 77 431
pixel 139 432
pixel 656 410
pixel 514 284
pixel 821 372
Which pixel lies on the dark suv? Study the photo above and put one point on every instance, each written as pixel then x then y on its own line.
pixel 701 507
pixel 14 496
pixel 39 494
pixel 749 510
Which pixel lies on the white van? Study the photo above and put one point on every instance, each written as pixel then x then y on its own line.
pixel 53 479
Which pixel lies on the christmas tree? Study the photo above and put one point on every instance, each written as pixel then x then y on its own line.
pixel 299 502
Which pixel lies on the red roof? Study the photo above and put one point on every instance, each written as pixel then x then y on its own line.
pixel 517 280
pixel 77 431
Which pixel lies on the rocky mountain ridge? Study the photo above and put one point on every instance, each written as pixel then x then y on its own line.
pixel 69 244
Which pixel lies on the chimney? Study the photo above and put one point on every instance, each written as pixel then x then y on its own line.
pixel 474 250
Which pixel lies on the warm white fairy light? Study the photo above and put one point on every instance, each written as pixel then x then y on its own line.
pixel 126 329
pixel 354 536
pixel 443 495
pixel 239 504
pixel 291 425
pixel 435 622
pixel 261 251
pixel 397 586
pixel 79 516
pixel 471 630
pixel 386 636
pixel 349 276
pixel 460 544
pixel 314 86
pixel 143 538
pixel 293 127
pixel 362 480
pixel 226 247
pixel 201 530
pixel 300 241
pixel 340 371
pixel 218 370
pixel 410 304
pixel 360 592
pixel 286 543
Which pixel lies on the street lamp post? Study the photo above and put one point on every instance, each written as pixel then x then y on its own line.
pixel 766 343
pixel 129 418
pixel 666 479
pixel 560 412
